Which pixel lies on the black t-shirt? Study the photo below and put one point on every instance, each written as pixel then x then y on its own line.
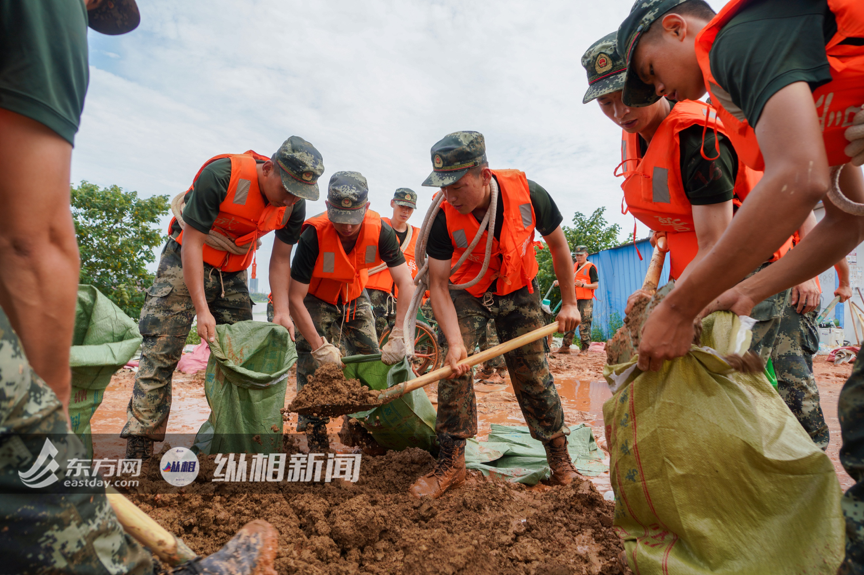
pixel 768 45
pixel 211 189
pixel 401 235
pixel 592 274
pixel 546 214
pixel 706 182
pixel 307 252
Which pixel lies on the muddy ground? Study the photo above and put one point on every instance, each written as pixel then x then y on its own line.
pixel 373 526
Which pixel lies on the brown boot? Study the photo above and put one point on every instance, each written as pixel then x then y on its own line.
pixel 563 472
pixel 250 552
pixel 564 349
pixel 449 470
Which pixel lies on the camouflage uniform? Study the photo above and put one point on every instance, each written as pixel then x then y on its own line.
pixel 850 410
pixel 50 530
pixel 514 314
pixel 796 344
pixel 489 338
pixel 381 307
pixel 353 335
pixel 270 312
pixel 165 323
pixel 586 310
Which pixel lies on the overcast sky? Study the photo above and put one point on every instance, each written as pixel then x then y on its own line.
pixel 372 84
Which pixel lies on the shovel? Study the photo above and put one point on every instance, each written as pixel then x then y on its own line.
pixel 333 410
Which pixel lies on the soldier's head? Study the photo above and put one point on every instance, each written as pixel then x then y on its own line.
pixel 112 17
pixel 404 203
pixel 347 202
pixel 460 169
pixel 580 254
pixel 658 43
pixel 292 173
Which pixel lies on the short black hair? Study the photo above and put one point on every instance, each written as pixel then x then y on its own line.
pixel 695 8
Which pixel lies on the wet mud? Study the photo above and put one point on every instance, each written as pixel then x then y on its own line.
pixel 328 386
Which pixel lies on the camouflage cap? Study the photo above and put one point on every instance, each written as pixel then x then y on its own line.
pixel 300 165
pixel 606 69
pixel 347 196
pixel 644 12
pixel 405 197
pixel 453 156
pixel 581 250
pixel 114 17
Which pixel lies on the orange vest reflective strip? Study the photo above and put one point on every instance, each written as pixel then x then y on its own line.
pixel 512 265
pixel 337 273
pixel 584 275
pixel 836 102
pixel 244 215
pixel 382 280
pixel 653 188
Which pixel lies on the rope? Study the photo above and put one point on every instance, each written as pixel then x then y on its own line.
pixel 380 267
pixel 838 199
pixel 421 281
pixel 214 239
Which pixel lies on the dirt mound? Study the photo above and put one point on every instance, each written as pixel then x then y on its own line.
pixel 328 386
pixel 374 526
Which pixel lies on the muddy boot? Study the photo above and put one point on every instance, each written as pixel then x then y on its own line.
pixel 316 438
pixel 586 345
pixel 563 350
pixel 138 447
pixel 563 472
pixel 250 552
pixel 449 470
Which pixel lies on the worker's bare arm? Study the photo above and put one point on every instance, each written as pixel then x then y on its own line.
pixel 709 223
pixel 302 320
pixel 192 255
pixel 405 284
pixel 280 279
pixel 445 313
pixel 796 178
pixel 568 318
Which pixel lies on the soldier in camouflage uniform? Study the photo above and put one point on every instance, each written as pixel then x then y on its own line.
pixel 586 279
pixel 506 294
pixel 219 293
pixel 328 280
pixel 489 338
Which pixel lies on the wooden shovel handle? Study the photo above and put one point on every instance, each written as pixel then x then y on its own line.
pixel 165 545
pixel 655 268
pixel 445 372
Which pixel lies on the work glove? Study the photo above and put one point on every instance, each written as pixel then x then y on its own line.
pixel 327 353
pixel 855 135
pixel 394 350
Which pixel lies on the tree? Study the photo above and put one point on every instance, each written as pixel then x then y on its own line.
pixel 116 237
pixel 592 231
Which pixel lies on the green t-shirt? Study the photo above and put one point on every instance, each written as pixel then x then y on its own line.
pixel 768 45
pixel 211 189
pixel 306 255
pixel 43 62
pixel 546 214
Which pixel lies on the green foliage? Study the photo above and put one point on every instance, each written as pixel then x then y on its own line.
pixel 193 338
pixel 600 334
pixel 592 231
pixel 116 237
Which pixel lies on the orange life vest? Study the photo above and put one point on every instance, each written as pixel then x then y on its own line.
pixel 244 214
pixel 513 264
pixel 583 275
pixel 382 280
pixel 836 102
pixel 653 188
pixel 337 273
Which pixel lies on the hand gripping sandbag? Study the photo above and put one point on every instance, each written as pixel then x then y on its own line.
pixel 103 341
pixel 245 386
pixel 711 471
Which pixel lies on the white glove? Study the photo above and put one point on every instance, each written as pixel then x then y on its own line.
pixel 855 135
pixel 327 353
pixel 394 350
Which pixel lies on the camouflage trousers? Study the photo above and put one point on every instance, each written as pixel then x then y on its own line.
pixel 270 312
pixel 586 310
pixel 166 319
pixel 796 343
pixel 52 529
pixel 489 338
pixel 514 314
pixel 383 306
pixel 351 328
pixel 850 411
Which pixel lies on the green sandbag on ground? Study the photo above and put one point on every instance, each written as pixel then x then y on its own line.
pixel 245 386
pixel 103 341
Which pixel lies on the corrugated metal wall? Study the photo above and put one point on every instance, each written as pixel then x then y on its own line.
pixel 620 273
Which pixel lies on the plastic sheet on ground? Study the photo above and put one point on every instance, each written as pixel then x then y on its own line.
pixel 408 421
pixel 103 341
pixel 511 453
pixel 245 388
pixel 192 363
pixel 712 473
